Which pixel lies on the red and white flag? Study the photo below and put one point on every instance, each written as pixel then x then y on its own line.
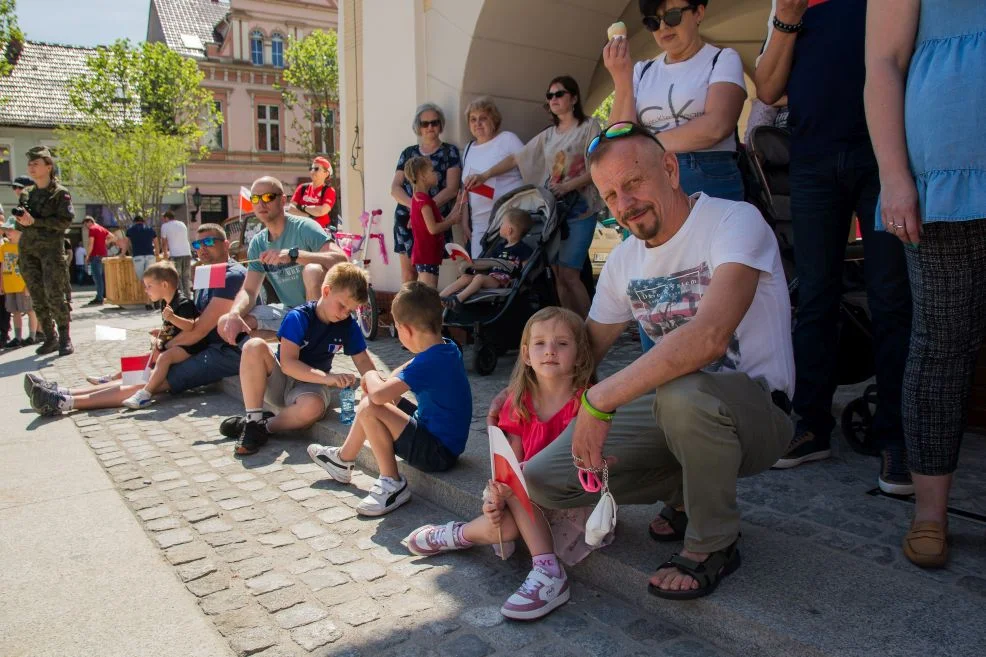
pixel 245 204
pixel 506 469
pixel 482 190
pixel 135 370
pixel 456 252
pixel 209 276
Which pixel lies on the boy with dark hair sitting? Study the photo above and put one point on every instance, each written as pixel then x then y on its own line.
pixel 298 376
pixel 429 436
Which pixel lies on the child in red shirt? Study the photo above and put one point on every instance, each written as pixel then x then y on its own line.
pixel 427 227
pixel 554 367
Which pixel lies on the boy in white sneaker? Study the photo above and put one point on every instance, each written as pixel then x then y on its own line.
pixel 430 436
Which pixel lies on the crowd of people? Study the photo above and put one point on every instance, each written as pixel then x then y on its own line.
pixel 721 389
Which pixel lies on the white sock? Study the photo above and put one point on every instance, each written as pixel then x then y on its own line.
pixel 254 414
pixel 66 403
pixel 63 391
pixel 548 562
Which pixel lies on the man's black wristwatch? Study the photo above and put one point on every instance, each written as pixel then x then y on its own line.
pixel 789 28
pixel 293 254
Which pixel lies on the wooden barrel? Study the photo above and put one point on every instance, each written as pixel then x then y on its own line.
pixel 122 286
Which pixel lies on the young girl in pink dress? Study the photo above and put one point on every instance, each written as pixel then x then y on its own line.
pixel 554 367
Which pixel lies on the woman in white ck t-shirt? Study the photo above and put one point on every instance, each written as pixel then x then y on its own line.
pixel 691 95
pixel 491 145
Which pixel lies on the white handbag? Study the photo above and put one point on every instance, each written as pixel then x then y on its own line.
pixel 602 520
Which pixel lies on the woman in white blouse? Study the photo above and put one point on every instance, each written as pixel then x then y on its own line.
pixel 690 96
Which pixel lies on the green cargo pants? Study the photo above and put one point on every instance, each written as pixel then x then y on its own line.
pixel 42 264
pixel 686 443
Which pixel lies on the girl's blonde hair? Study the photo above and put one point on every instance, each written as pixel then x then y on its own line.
pixel 415 168
pixel 524 380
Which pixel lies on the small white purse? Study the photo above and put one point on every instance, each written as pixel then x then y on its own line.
pixel 602 520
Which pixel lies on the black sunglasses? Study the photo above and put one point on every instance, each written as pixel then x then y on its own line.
pixel 617 130
pixel 558 94
pixel 671 18
pixel 430 124
pixel 266 198
pixel 205 241
pixel 316 169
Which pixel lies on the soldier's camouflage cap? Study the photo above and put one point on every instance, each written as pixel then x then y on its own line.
pixel 39 152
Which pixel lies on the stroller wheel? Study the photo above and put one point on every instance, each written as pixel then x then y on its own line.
pixel 484 358
pixel 857 422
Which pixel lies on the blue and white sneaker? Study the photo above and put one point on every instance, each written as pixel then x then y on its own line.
pixel 140 399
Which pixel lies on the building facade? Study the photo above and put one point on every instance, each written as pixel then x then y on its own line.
pixel 240 46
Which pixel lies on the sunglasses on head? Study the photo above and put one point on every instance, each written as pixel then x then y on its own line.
pixel 205 241
pixel 671 18
pixel 266 198
pixel 617 130
pixel 430 124
pixel 557 94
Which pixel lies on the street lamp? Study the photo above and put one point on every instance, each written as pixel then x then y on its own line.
pixel 197 202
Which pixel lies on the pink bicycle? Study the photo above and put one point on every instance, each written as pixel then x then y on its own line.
pixel 355 246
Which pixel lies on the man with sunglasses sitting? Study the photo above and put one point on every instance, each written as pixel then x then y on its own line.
pixel 293 253
pixel 709 402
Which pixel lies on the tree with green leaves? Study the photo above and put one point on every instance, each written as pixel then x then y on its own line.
pixel 11 37
pixel 146 116
pixel 311 85
pixel 604 110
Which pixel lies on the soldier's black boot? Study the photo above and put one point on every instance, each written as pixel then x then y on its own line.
pixel 50 345
pixel 65 347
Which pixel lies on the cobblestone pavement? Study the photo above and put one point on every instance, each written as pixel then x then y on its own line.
pixel 279 560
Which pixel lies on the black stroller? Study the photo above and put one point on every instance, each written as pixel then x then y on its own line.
pixel 494 319
pixel 765 163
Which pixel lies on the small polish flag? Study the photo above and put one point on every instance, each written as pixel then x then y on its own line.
pixel 209 276
pixel 482 190
pixel 506 469
pixel 245 204
pixel 135 370
pixel 456 252
pixel 109 333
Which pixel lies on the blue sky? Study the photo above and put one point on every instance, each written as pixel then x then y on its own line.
pixel 83 22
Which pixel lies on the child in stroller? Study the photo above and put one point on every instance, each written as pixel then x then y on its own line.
pixel 500 268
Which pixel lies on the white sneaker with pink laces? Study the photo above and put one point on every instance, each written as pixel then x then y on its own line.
pixel 429 540
pixel 538 596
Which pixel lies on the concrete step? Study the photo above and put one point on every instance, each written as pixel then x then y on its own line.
pixel 822 572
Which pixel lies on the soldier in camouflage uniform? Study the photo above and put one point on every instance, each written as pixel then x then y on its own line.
pixel 44 212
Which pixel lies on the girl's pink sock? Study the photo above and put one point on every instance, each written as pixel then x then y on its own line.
pixel 459 539
pixel 548 562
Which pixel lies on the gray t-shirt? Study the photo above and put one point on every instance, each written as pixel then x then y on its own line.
pixel 303 234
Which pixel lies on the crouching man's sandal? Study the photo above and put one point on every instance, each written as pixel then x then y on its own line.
pixel 707 573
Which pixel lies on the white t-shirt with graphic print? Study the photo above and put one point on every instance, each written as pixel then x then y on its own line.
pixel 670 95
pixel 662 287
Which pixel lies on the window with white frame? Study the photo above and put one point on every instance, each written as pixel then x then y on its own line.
pixel 323 124
pixel 268 128
pixel 257 47
pixel 215 136
pixel 6 173
pixel 277 50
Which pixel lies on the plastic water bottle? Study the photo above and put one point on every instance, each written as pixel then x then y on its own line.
pixel 347 404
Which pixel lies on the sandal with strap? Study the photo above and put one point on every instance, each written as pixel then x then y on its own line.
pixel 677 520
pixel 926 544
pixel 707 573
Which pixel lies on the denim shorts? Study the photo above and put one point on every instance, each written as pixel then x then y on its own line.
pixel 714 172
pixel 419 447
pixel 269 317
pixel 212 365
pixel 574 250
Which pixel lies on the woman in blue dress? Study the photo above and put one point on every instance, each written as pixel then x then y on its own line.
pixel 925 82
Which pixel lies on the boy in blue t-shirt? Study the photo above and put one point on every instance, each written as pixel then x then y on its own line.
pixel 429 436
pixel 298 376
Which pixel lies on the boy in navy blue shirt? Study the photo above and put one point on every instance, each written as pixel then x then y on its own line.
pixel 298 376
pixel 429 436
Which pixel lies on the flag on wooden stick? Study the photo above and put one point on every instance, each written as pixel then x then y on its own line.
pixel 135 370
pixel 209 276
pixel 506 469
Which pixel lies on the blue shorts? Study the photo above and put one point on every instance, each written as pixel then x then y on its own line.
pixel 574 250
pixel 714 172
pixel 212 365
pixel 419 447
pixel 426 269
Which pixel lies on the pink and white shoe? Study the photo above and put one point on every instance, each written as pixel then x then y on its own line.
pixel 538 596
pixel 429 540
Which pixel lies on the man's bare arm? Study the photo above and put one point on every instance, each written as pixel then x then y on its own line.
pixel 247 296
pixel 203 324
